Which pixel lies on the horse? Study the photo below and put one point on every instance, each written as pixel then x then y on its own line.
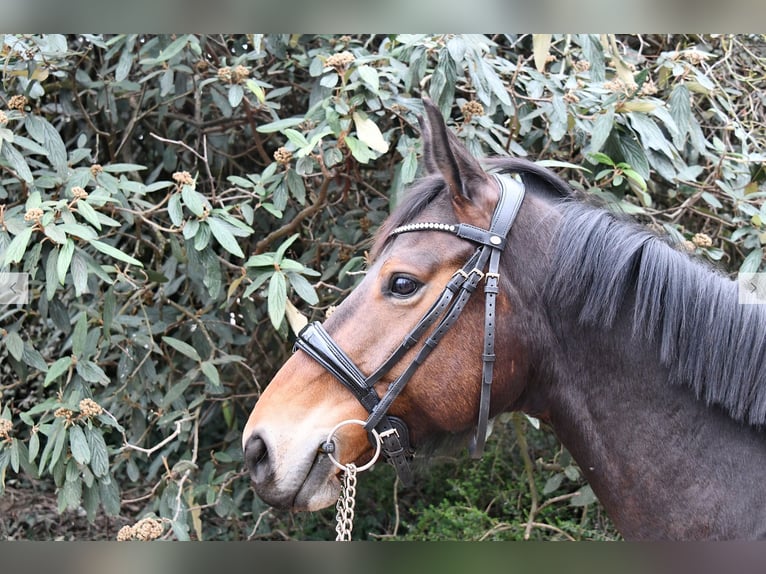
pixel 638 355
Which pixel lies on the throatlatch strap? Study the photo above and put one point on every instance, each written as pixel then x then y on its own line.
pixel 507 208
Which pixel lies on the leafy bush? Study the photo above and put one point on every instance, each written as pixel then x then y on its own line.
pixel 178 201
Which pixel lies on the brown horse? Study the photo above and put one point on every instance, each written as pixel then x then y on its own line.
pixel 638 356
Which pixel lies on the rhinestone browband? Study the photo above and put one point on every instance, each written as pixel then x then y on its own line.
pixel 425 226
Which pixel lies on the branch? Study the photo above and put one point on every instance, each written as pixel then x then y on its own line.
pixel 319 203
pixel 149 451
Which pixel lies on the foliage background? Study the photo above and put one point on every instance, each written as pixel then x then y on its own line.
pixel 178 200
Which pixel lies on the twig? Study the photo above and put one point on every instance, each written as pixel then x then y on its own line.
pixel 179 143
pixel 304 213
pixel 149 451
pixel 529 471
pixel 396 506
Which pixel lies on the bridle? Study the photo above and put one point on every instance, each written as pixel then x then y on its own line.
pixel 392 431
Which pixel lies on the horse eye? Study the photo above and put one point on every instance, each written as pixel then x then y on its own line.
pixel 404 286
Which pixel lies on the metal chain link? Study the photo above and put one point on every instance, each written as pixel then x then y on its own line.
pixel 344 515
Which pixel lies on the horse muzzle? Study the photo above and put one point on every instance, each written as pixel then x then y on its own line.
pixel 307 481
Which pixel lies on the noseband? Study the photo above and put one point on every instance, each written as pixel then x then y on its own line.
pixel 394 434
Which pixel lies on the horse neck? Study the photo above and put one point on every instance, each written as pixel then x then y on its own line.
pixel 663 464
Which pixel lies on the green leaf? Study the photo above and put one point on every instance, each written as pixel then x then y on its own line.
pixel 15 455
pixel 562 164
pixel 171 50
pixel 369 76
pixel 369 133
pixel 553 483
pixel 236 93
pixel 110 494
pixel 681 111
pixel 51 274
pixel 635 177
pixel 91 372
pixel 122 167
pixel 79 274
pixel 296 186
pixel 58 368
pixel 110 304
pixel 33 358
pixel 329 80
pixel 296 137
pixel 14 344
pixel 279 125
pixel 58 447
pixel 303 288
pixel 634 154
pixel 191 227
pixel 175 392
pixel 211 373
pixel 202 237
pixel 55 233
pixel 711 200
pixel 44 132
pixel 107 249
pixel 64 260
pixel 183 348
pixel 223 235
pixel 601 158
pixel 78 444
pixel 175 211
pixel 80 335
pixel 257 90
pixel 88 214
pixel 280 253
pixel 18 247
pixel 17 162
pixel 409 167
pixel 359 150
pixel 69 495
pixel 261 260
pixel 602 127
pixel 583 497
pixel 99 454
pixel 277 299
pixel 123 65
pixel 752 262
pixel 193 200
pixel 34 445
pixel 81 231
pixel 53 433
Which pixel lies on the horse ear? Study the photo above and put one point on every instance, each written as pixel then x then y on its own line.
pixel 444 154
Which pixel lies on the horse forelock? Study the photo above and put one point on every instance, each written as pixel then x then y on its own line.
pixel 601 265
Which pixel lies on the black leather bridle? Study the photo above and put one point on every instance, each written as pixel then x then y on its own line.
pixel 394 435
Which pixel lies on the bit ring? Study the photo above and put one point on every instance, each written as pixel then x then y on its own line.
pixel 357 422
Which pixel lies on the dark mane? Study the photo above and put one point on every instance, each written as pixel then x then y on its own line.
pixel 710 341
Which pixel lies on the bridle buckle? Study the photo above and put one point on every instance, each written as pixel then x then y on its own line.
pixel 389 432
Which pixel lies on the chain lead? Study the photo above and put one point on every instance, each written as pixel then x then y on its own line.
pixel 345 506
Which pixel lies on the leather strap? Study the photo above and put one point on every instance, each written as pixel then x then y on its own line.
pixel 508 207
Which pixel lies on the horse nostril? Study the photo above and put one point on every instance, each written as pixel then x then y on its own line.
pixel 257 458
